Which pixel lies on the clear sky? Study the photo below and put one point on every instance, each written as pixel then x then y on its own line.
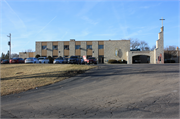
pixel 29 21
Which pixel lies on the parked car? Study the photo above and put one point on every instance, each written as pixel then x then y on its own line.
pixel 16 60
pixel 74 60
pixel 58 60
pixel 43 60
pixel 65 60
pixel 31 60
pixel 82 61
pixel 5 61
pixel 92 60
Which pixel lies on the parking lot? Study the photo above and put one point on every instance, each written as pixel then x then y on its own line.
pixel 108 91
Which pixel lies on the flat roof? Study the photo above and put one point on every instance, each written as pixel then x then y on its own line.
pixel 83 41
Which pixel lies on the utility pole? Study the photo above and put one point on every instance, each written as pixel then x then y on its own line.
pixel 9 43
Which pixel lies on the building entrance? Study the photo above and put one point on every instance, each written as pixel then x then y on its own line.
pixel 141 59
pixel 101 59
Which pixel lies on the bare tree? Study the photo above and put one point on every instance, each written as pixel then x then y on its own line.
pixel 144 46
pixel 170 51
pixel 28 50
pixel 147 48
pixel 170 48
pixel 134 44
pixel 153 47
pixel 14 55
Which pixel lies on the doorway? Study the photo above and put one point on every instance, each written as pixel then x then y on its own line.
pixel 101 59
pixel 141 59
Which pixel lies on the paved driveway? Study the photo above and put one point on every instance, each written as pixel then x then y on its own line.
pixel 111 91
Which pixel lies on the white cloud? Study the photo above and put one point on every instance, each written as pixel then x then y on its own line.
pixel 87 7
pixel 89 20
pixel 12 16
pixel 83 33
pixel 47 24
pixel 64 35
pixel 145 7
pixel 134 34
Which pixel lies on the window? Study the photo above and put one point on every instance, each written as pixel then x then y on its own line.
pixel 55 47
pixel 55 56
pixel 89 56
pixel 44 47
pixel 101 47
pixel 89 46
pixel 66 47
pixel 77 47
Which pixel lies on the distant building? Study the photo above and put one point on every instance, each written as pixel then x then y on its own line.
pixel 172 55
pixel 26 54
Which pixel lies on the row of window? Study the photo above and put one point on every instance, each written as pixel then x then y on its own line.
pixel 66 47
pixel 55 47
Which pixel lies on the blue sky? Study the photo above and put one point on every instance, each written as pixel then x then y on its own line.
pixel 29 21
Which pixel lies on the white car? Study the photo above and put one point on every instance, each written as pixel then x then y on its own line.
pixel 58 60
pixel 43 60
pixel 31 60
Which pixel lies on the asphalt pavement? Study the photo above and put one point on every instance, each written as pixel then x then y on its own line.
pixel 108 91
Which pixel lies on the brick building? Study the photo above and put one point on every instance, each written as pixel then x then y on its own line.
pixel 103 50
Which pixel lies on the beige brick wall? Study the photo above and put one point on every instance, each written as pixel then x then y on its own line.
pixel 38 48
pixel 72 48
pixel 111 46
pixel 95 49
pixel 49 50
pixel 60 48
pixel 160 47
pixel 83 50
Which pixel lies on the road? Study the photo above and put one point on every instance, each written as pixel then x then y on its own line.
pixel 109 91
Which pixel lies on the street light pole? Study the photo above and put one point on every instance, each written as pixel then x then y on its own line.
pixel 9 43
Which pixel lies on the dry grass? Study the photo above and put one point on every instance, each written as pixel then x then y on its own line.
pixel 16 78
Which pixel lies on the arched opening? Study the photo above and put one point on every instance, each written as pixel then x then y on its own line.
pixel 140 59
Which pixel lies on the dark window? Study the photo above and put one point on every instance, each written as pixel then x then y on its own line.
pixel 89 46
pixel 77 47
pixel 66 56
pixel 101 47
pixel 55 56
pixel 55 47
pixel 89 56
pixel 44 47
pixel 66 47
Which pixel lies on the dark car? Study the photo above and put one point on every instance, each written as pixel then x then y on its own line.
pixel 92 60
pixel 65 60
pixel 16 60
pixel 5 61
pixel 74 60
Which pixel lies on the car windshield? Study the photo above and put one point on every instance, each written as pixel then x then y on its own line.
pixel 74 57
pixel 14 58
pixel 91 58
pixel 29 58
pixel 41 58
pixel 59 58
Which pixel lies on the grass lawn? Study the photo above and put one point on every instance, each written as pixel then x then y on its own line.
pixel 16 78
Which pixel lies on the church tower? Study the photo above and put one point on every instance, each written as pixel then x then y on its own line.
pixel 159 51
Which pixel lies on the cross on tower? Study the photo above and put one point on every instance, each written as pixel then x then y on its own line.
pixel 162 20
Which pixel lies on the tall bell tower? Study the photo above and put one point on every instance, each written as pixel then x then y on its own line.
pixel 159 51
